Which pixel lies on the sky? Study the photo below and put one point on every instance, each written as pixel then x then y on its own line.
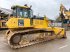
pixel 50 8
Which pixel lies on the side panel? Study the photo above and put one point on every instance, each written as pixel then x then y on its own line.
pixel 18 22
pixel 26 22
pixel 38 23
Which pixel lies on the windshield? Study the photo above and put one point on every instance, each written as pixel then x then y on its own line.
pixel 20 12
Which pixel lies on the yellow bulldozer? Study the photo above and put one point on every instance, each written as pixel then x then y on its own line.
pixel 4 16
pixel 26 29
pixel 3 20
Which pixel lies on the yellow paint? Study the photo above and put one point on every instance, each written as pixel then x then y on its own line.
pixel 37 23
pixel 57 30
pixel 21 6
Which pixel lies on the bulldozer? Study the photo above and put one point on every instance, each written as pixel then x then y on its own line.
pixel 4 16
pixel 3 20
pixel 26 29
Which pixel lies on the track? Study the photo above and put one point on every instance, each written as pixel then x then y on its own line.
pixel 18 39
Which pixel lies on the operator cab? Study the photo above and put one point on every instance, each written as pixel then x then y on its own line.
pixel 22 11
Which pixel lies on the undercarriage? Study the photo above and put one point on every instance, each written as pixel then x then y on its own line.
pixel 23 38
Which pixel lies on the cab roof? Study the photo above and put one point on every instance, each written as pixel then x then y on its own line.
pixel 17 6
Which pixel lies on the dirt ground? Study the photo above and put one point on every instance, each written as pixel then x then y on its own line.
pixel 61 45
